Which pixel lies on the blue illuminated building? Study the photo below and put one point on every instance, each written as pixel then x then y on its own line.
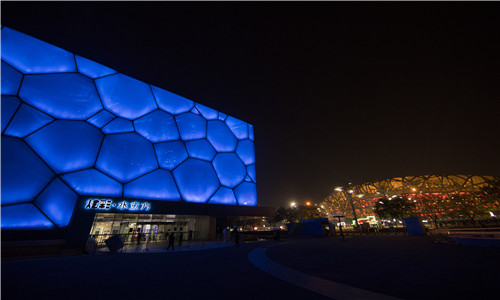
pixel 73 128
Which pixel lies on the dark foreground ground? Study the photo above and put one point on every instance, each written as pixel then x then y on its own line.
pixel 400 266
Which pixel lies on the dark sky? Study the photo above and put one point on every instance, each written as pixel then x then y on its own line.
pixel 337 91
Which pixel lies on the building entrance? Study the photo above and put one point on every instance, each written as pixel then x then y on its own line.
pixel 148 228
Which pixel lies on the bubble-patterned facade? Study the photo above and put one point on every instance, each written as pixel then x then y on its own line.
pixel 72 127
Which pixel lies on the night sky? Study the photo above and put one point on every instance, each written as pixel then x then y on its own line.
pixel 337 92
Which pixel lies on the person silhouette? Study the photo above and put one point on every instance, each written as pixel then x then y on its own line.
pixel 236 239
pixel 171 239
pixel 181 236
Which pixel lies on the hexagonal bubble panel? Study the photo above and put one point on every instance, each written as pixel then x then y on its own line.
pixel 239 128
pixel 27 174
pixel 91 68
pixel 125 96
pixel 118 125
pixel 223 196
pixel 200 149
pixel 26 121
pixel 66 96
pixel 171 102
pixel 100 119
pixel 23 216
pixel 93 182
pixel 158 184
pixel 30 55
pixel 126 156
pixel 191 126
pixel 207 112
pixel 245 151
pixel 57 201
pixel 67 145
pixel 9 107
pixel 221 137
pixel 251 172
pixel 250 132
pixel 157 126
pixel 170 154
pixel 11 79
pixel 230 169
pixel 222 116
pixel 246 193
pixel 196 180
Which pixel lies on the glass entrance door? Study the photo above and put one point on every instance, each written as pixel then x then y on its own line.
pixel 148 228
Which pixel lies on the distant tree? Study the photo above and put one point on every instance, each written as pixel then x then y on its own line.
pixel 297 213
pixel 338 205
pixel 474 205
pixel 394 208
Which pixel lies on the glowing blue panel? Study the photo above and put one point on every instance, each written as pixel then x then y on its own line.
pixel 200 149
pixel 222 116
pixel 221 137
pixel 9 106
pixel 156 185
pixel 223 196
pixel 170 154
pixel 67 145
pixel 239 127
pixel 23 216
pixel 24 175
pixel 248 179
pixel 126 97
pixel 66 96
pixel 91 68
pixel 157 126
pixel 57 201
pixel 196 180
pixel 171 102
pixel 93 182
pixel 101 119
pixel 191 126
pixel 230 169
pixel 251 172
pixel 245 151
pixel 206 112
pixel 126 156
pixel 246 193
pixel 118 125
pixel 195 111
pixel 27 120
pixel 250 132
pixel 30 55
pixel 11 79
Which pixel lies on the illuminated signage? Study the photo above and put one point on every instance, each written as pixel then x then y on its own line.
pixel 108 204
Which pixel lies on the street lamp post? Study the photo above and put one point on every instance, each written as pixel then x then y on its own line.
pixel 349 195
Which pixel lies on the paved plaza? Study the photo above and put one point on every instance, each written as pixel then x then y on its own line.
pixel 362 267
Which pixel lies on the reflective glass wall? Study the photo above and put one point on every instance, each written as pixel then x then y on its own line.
pixel 71 126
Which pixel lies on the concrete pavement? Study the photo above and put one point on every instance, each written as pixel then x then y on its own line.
pixel 377 267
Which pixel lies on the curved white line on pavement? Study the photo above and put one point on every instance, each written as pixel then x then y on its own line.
pixel 318 285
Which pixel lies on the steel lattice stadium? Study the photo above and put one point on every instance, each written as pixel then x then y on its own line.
pixel 434 196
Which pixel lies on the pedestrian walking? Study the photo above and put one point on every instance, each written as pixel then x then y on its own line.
pixel 236 239
pixel 139 236
pixel 171 240
pixel 277 235
pixel 181 236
